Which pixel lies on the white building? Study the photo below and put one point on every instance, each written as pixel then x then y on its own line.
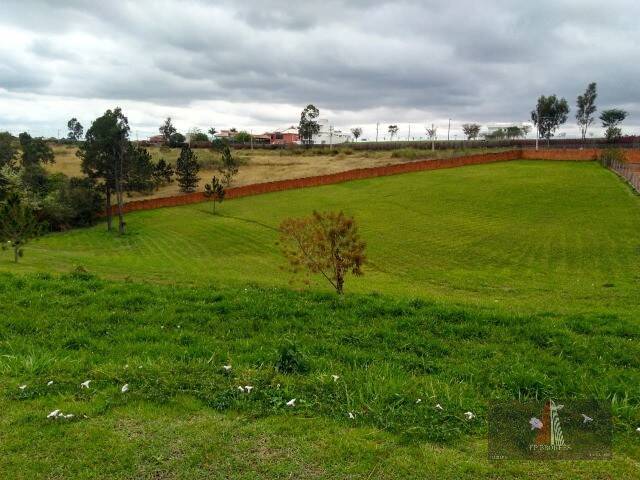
pixel 328 135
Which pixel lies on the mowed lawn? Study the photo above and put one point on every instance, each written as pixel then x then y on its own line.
pixel 526 235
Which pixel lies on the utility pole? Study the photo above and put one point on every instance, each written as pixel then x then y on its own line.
pixel 330 137
pixel 377 128
pixel 449 130
pixel 409 134
pixel 251 134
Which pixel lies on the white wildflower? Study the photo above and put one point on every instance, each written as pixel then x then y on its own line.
pixel 291 403
pixel 335 377
pixel 22 387
pixel 85 384
pixel 125 388
pixel 469 415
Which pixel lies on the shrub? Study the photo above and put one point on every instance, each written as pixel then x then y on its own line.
pixel 610 156
pixel 291 360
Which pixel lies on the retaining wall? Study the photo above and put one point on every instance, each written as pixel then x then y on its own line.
pixel 362 173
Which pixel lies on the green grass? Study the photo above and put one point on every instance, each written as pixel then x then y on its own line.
pixel 184 415
pixel 510 280
pixel 524 236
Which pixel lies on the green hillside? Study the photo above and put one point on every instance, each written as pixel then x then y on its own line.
pixel 185 416
pixel 528 236
pixel 514 280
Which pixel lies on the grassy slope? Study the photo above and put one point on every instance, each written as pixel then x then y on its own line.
pixel 530 236
pixel 184 417
pixel 556 242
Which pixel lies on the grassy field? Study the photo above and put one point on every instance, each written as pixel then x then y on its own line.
pixel 531 236
pixel 185 417
pixel 510 280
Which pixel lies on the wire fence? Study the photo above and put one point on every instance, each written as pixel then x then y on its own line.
pixel 629 171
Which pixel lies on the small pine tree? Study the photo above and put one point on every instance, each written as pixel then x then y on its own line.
pixel 214 191
pixel 187 169
pixel 229 168
pixel 162 173
pixel 18 225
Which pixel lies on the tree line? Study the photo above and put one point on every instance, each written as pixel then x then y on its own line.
pixel 33 200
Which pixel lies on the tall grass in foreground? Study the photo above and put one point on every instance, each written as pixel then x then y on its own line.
pixel 387 354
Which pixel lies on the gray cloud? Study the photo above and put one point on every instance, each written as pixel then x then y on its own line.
pixel 477 61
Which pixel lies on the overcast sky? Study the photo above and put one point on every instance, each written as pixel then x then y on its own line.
pixel 254 64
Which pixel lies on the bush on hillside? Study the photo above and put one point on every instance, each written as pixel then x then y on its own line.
pixel 291 360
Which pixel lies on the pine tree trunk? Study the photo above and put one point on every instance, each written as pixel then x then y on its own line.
pixel 121 223
pixel 108 208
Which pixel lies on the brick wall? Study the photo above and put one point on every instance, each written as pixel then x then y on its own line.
pixel 361 173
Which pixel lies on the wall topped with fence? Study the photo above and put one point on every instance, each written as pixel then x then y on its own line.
pixel 632 156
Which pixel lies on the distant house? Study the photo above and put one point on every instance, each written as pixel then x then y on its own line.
pixel 226 134
pixel 286 136
pixel 328 135
pixel 156 140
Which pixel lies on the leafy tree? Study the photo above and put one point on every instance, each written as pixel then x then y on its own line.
pixel 229 167
pixel 162 173
pixel 525 129
pixel 497 134
pixel 113 162
pixel 471 130
pixel 586 104
pixel 242 137
pixel 75 130
pixel 18 225
pixel 8 150
pixel 309 125
pixel 167 129
pixel 393 131
pixel 197 135
pixel 187 169
pixel 325 243
pixel 176 140
pixel 35 151
pixel 513 132
pixel 356 132
pixel 101 156
pixel 72 202
pixel 212 131
pixel 610 120
pixel 549 114
pixel 215 191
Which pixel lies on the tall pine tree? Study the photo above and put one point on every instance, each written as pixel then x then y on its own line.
pixel 187 169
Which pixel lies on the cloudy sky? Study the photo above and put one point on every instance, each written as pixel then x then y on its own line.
pixel 254 64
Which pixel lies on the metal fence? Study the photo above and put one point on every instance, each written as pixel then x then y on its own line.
pixel 628 171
